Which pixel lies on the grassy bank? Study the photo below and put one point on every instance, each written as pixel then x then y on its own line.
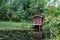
pixel 4 25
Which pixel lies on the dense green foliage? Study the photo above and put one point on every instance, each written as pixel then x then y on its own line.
pixel 18 10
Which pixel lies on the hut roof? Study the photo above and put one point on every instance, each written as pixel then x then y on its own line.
pixel 37 16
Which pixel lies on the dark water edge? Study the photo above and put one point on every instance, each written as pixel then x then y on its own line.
pixel 15 35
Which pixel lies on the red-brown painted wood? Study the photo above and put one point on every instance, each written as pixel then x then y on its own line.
pixel 37 20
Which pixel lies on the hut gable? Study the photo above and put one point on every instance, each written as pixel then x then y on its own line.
pixel 37 20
